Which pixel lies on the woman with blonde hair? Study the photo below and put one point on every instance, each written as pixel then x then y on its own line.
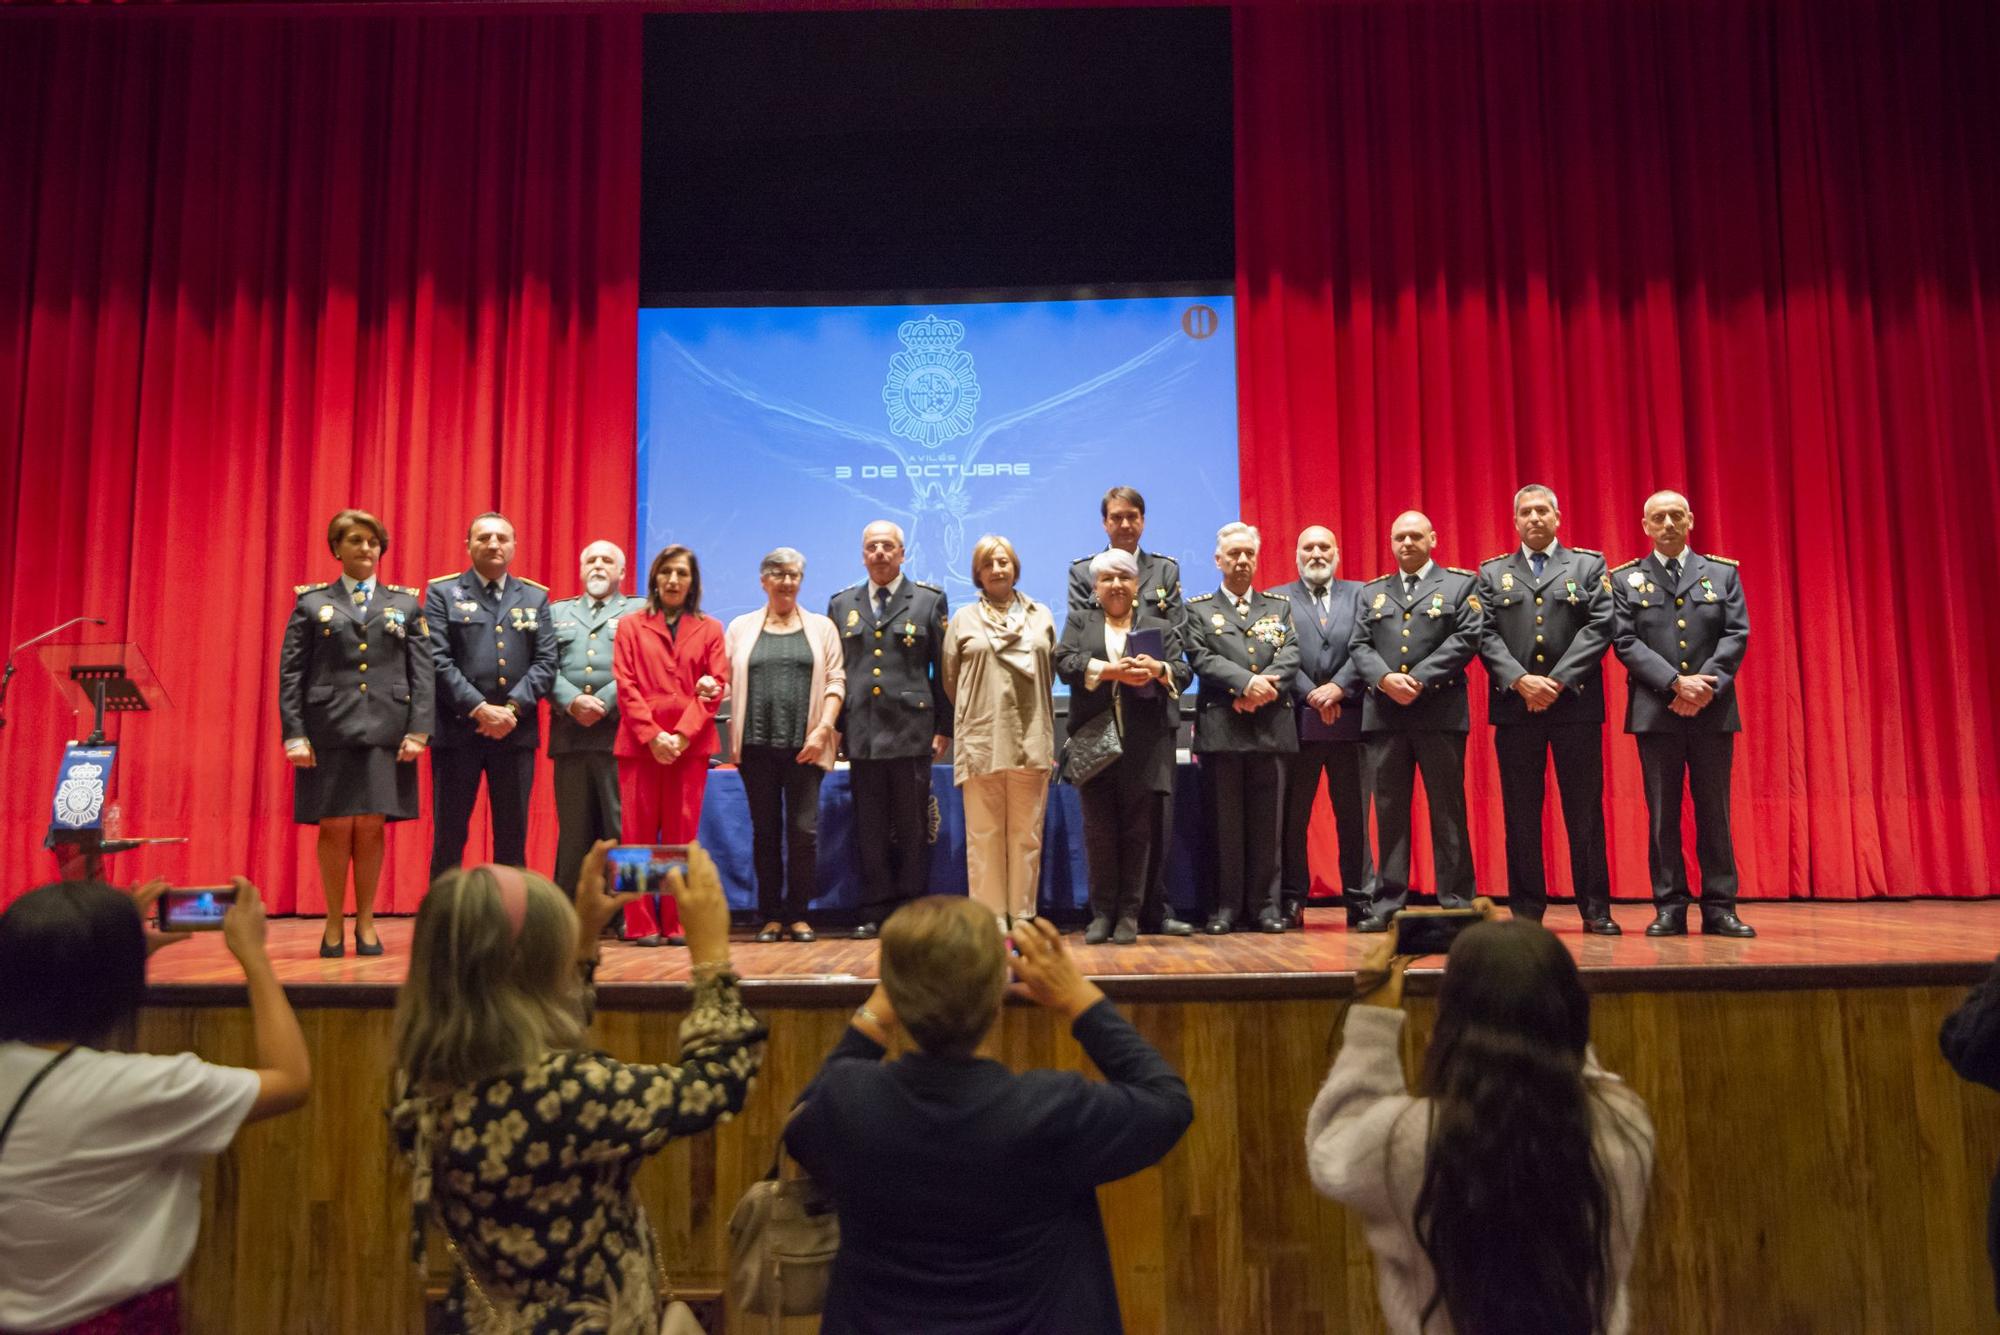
pixel 999 670
pixel 498 1089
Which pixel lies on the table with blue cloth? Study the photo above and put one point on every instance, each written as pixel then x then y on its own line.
pixel 725 833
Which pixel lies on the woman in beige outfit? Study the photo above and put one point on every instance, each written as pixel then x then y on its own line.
pixel 999 670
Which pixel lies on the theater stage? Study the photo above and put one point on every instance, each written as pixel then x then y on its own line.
pixel 1820 1168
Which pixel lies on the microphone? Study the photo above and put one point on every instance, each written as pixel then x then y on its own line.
pixel 7 674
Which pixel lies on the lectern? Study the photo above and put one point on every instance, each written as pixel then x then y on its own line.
pixel 97 679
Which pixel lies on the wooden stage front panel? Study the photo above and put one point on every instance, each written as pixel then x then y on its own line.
pixel 1821 1169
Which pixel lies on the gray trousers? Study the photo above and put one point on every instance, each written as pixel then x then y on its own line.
pixel 586 809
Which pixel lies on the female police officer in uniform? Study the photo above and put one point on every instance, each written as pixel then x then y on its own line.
pixel 355 695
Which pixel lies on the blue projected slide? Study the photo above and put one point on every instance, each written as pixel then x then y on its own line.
pixel 795 426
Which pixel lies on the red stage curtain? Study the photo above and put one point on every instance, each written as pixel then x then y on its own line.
pixel 1749 251
pixel 253 270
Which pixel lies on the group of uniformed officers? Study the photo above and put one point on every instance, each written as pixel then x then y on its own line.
pixel 1364 684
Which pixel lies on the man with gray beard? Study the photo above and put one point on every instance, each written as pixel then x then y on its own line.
pixel 585 718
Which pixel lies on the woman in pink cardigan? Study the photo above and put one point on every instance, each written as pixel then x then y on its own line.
pixel 787 679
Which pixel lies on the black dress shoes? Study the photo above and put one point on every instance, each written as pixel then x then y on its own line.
pixel 805 936
pixel 1294 911
pixel 1222 924
pixel 768 935
pixel 1602 927
pixel 332 950
pixel 652 941
pixel 1372 924
pixel 1272 923
pixel 867 931
pixel 1725 924
pixel 1172 926
pixel 1098 932
pixel 1669 922
pixel 676 939
pixel 367 947
pixel 1126 933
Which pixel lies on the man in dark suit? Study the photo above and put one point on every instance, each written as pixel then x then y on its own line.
pixel 1326 695
pixel 1681 632
pixel 894 722
pixel 1241 645
pixel 583 717
pixel 495 656
pixel 1549 618
pixel 1416 632
pixel 1124 512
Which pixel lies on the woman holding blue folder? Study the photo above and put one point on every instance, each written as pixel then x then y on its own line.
pixel 1123 658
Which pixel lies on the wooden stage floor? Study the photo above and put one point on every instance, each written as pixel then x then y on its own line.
pixel 1799 945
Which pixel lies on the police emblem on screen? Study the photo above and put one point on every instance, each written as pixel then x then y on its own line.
pixel 932 392
pixel 80 796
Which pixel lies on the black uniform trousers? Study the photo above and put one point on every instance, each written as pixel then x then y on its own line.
pixel 1245 793
pixel 1394 760
pixel 784 829
pixel 455 775
pixel 892 816
pixel 587 809
pixel 1121 819
pixel 1524 750
pixel 1344 765
pixel 1701 761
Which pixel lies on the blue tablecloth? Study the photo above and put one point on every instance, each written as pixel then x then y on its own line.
pixel 725 833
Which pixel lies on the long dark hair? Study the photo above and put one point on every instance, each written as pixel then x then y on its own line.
pixel 1514 1213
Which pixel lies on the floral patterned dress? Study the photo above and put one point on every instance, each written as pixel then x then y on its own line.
pixel 530 1174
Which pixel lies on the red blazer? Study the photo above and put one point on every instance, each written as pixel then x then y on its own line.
pixel 656 673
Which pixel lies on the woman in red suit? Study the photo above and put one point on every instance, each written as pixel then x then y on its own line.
pixel 671 670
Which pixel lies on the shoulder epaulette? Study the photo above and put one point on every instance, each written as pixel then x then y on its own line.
pixel 1201 597
pixel 533 584
pixel 1461 570
pixel 1278 593
pixel 401 588
pixel 1379 579
pixel 1589 551
pixel 1085 559
pixel 301 590
pixel 852 588
pixel 924 584
pixel 1627 566
pixel 444 579
pixel 1491 559
pixel 1719 560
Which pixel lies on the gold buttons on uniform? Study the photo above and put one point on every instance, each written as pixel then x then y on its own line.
pixel 1402 667
pixel 1684 666
pixel 503 662
pixel 1538 618
pixel 1538 600
pixel 1406 632
pixel 878 634
pixel 593 635
pixel 364 686
pixel 876 671
pixel 878 690
pixel 364 646
pixel 503 681
pixel 1538 658
pixel 1406 616
pixel 364 667
pixel 878 653
pixel 1682 623
pixel 1684 644
pixel 1538 639
pixel 1679 601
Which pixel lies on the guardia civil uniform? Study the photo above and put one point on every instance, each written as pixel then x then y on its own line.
pixel 586 771
pixel 1428 625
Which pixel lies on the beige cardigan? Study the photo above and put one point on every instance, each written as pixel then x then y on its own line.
pixel 1001 720
pixel 829 674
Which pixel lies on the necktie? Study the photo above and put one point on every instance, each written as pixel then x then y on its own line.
pixel 1673 572
pixel 1538 561
pixel 1409 586
pixel 361 593
pixel 881 601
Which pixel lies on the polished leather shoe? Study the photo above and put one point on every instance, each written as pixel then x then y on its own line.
pixel 1294 911
pixel 1271 923
pixel 867 931
pixel 367 947
pixel 1726 924
pixel 332 950
pixel 1222 924
pixel 1098 932
pixel 652 941
pixel 768 935
pixel 1668 923
pixel 676 939
pixel 1372 925
pixel 1172 926
pixel 805 936
pixel 1602 927
pixel 1126 933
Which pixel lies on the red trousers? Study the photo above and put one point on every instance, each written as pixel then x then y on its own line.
pixel 661 804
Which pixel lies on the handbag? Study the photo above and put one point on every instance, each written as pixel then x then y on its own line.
pixel 1091 748
pixel 783 1236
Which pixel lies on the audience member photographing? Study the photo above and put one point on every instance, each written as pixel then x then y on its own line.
pixel 1508 1197
pixel 102 1151
pixel 498 1092
pixel 968 1194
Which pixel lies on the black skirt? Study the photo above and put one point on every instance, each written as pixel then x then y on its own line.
pixel 354 781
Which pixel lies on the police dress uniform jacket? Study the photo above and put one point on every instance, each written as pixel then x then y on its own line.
pixel 1159 586
pixel 1557 626
pixel 1227 648
pixel 1697 627
pixel 1146 724
pixel 499 651
pixel 1431 634
pixel 585 635
pixel 345 681
pixel 1324 657
pixel 895 670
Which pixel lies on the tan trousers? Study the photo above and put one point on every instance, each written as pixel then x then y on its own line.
pixel 1003 838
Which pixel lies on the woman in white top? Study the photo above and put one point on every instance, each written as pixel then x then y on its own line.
pixel 1509 1197
pixel 787 677
pixel 100 1162
pixel 999 670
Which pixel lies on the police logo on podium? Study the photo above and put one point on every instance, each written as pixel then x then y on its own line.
pixel 932 391
pixel 80 790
